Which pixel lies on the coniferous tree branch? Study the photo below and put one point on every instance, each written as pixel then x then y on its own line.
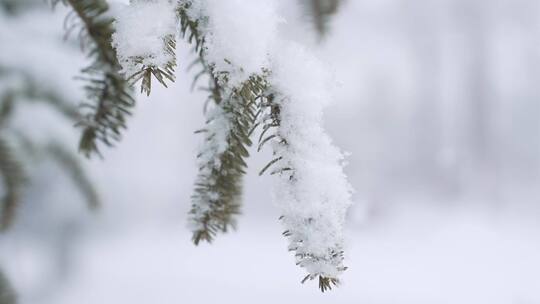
pixel 218 188
pixel 297 232
pixel 230 122
pixel 189 27
pixel 110 94
pixel 322 260
pixel 231 117
pixel 160 73
pixel 155 54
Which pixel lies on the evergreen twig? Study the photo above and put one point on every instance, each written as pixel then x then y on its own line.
pixel 217 195
pixel 110 94
pixel 335 255
pixel 160 73
pixel 218 189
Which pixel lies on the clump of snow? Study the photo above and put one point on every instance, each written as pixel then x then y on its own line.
pixel 142 29
pixel 239 35
pixel 313 198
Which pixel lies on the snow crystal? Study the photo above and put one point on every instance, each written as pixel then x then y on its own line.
pixel 141 30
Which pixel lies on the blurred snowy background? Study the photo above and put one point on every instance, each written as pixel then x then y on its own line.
pixel 438 104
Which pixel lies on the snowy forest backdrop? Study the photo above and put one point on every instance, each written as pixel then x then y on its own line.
pixel 438 103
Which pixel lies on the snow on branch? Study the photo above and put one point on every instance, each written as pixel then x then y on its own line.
pixel 231 113
pixel 145 41
pixel 312 191
pixel 218 189
pixel 259 75
pixel 239 36
pixel 240 39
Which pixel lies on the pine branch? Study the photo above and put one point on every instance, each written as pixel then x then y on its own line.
pixel 160 73
pixel 13 179
pixel 299 227
pixel 155 55
pixel 325 283
pixel 232 118
pixel 108 91
pixel 189 27
pixel 218 188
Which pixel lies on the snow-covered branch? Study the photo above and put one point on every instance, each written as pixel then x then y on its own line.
pixel 145 40
pixel 231 112
pixel 312 191
pixel 258 74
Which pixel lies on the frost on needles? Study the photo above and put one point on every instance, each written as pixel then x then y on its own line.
pixel 262 83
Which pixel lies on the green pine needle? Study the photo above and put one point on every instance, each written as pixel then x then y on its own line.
pixel 162 74
pixel 221 188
